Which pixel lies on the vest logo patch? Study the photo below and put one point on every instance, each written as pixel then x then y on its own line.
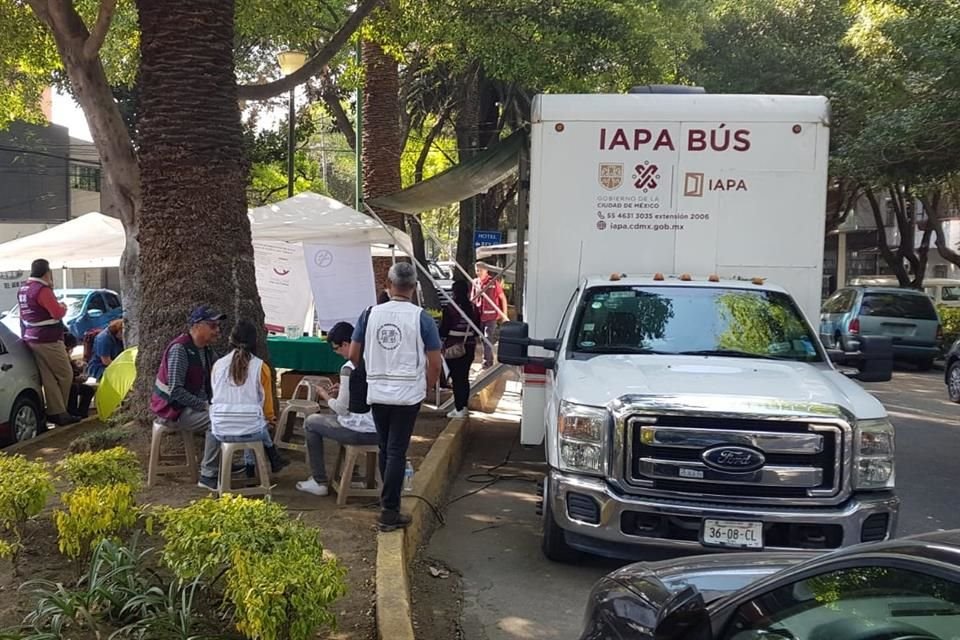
pixel 389 336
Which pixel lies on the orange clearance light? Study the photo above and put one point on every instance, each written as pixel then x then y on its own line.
pixel 685 277
pixel 615 277
pixel 759 281
pixel 658 277
pixel 714 278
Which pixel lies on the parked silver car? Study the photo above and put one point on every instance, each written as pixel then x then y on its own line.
pixel 908 317
pixel 21 400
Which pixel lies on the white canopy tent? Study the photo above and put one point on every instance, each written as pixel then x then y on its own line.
pixel 92 241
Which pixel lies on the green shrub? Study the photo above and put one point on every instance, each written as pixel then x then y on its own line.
pixel 950 320
pixel 94 514
pixel 101 468
pixel 25 487
pixel 100 439
pixel 201 538
pixel 286 593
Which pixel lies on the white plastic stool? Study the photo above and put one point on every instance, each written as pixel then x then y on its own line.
pixel 286 430
pixel 227 449
pixel 347 459
pixel 189 460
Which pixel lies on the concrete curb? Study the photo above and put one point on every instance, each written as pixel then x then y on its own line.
pixel 396 549
pixel 49 433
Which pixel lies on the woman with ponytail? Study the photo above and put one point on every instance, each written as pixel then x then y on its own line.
pixel 242 407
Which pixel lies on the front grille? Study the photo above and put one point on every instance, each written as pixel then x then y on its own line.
pixel 795 461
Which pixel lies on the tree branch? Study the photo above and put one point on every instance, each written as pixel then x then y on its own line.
pixel 331 99
pixel 315 64
pixel 428 142
pixel 99 32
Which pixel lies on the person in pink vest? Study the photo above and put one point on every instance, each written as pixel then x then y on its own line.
pixel 491 287
pixel 41 326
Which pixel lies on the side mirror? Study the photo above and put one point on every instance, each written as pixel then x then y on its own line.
pixel 515 343
pixel 684 617
pixel 873 362
pixel 94 313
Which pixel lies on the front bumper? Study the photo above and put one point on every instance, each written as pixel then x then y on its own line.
pixel 627 523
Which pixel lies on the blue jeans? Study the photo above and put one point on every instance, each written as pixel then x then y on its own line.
pixel 248 457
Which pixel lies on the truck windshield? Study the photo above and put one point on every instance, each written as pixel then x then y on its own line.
pixel 692 321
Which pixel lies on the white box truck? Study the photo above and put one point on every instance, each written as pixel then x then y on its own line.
pixel 670 362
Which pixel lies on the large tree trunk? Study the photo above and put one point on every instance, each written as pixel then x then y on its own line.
pixel 195 245
pixel 381 137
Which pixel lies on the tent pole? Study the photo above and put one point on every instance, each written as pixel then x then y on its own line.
pixel 430 278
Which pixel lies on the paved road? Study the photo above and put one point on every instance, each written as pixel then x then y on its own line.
pixel 511 593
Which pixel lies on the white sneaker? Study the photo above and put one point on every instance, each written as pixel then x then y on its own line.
pixel 457 414
pixel 312 486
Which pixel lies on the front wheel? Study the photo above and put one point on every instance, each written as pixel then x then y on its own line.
pixel 553 542
pixel 26 419
pixel 953 381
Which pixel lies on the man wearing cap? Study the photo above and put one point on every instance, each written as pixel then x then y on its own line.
pixel 491 288
pixel 181 393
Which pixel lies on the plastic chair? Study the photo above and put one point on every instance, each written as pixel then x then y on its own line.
pixel 227 449
pixel 154 468
pixel 347 459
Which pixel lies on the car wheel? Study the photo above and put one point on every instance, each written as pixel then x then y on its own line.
pixel 953 381
pixel 26 419
pixel 553 542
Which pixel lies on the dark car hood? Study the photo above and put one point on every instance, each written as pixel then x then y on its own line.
pixel 714 576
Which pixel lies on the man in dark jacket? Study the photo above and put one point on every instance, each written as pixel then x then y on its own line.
pixel 181 393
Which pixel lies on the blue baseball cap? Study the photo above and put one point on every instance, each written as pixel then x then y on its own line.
pixel 205 313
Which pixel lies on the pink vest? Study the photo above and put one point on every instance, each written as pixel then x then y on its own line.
pixel 36 323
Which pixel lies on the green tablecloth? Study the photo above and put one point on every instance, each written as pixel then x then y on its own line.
pixel 307 355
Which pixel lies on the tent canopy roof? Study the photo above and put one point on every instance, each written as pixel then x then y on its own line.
pixel 314 218
pixel 92 241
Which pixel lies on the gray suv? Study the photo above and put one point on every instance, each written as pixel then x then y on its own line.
pixel 908 317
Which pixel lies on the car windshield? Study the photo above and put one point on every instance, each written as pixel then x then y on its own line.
pixel 896 304
pixel 950 294
pixel 74 304
pixel 692 321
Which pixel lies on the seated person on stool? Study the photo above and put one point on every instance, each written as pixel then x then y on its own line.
pixel 81 395
pixel 352 423
pixel 242 406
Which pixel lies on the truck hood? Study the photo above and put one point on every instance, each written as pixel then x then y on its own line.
pixel 602 380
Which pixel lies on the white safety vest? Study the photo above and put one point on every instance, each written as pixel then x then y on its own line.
pixel 394 355
pixel 236 410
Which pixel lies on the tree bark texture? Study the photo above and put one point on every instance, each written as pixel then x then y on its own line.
pixel 381 137
pixel 195 245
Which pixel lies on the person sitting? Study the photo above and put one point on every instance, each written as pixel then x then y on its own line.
pixel 106 347
pixel 242 402
pixel 352 422
pixel 81 395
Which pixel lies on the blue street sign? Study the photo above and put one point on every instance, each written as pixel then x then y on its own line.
pixel 486 238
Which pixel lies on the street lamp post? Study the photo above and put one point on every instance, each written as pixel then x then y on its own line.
pixel 290 61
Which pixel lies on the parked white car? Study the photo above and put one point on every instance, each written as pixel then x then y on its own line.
pixel 21 399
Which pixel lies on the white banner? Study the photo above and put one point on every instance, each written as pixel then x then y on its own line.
pixel 283 284
pixel 341 276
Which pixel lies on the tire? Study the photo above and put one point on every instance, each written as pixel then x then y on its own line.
pixel 552 542
pixel 26 419
pixel 953 381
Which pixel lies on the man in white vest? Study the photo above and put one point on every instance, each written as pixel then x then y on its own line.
pixel 399 346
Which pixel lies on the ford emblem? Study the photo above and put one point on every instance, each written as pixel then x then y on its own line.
pixel 733 459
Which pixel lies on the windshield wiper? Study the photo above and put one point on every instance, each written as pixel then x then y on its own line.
pixel 623 349
pixel 730 353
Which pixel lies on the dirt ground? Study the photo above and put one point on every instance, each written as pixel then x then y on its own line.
pixel 437 600
pixel 349 532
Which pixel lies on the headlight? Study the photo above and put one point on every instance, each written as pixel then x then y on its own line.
pixel 873 458
pixel 582 434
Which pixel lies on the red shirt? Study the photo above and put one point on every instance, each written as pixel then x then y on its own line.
pixel 48 300
pixel 493 290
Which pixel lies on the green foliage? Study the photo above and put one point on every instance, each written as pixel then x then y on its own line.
pixel 755 325
pixel 25 487
pixel 950 320
pixel 201 538
pixel 101 468
pixel 286 593
pixel 94 513
pixel 100 440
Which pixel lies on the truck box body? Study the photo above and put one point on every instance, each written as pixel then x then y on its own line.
pixel 671 366
pixel 732 185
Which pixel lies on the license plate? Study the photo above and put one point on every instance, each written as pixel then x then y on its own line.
pixel 735 535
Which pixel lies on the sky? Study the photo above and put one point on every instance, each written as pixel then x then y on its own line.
pixel 68 114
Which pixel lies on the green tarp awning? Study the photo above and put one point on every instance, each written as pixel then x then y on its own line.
pixel 475 175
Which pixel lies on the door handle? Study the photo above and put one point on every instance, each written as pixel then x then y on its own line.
pixel 6 367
